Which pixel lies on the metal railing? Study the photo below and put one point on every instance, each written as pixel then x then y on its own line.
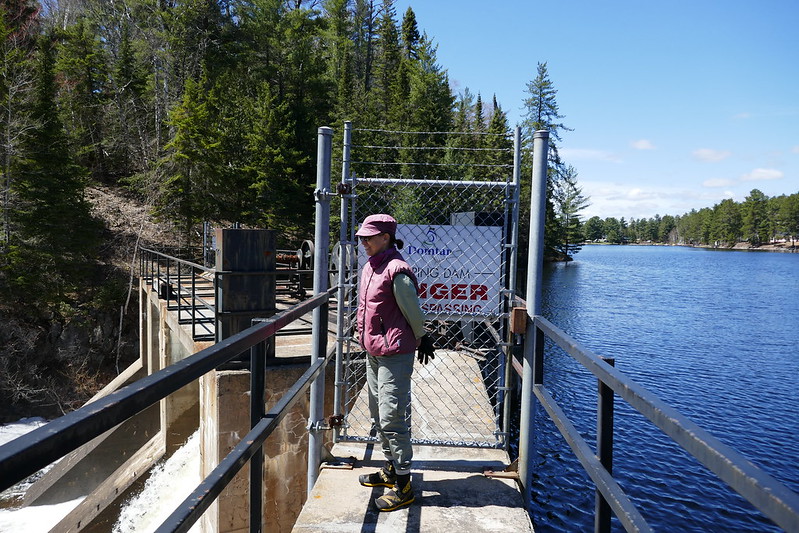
pixel 187 287
pixel 29 453
pixel 767 494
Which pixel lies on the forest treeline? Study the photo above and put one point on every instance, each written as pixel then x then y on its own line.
pixel 208 110
pixel 759 219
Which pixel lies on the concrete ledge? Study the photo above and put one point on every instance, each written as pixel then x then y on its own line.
pixel 452 494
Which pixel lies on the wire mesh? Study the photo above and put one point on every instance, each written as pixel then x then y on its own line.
pixel 453 197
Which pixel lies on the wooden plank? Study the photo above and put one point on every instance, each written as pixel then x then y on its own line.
pixel 109 490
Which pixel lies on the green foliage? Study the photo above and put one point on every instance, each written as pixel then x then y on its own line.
pixel 569 201
pixel 757 220
pixel 53 236
pixel 209 110
pixel 542 113
pixel 82 95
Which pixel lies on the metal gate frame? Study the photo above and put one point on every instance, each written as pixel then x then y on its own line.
pixel 488 353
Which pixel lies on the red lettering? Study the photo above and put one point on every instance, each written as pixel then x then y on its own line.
pixel 479 292
pixel 458 292
pixel 439 291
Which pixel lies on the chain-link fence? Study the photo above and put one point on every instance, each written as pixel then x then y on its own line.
pixel 455 197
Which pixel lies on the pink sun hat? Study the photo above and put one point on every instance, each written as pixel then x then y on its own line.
pixel 377 224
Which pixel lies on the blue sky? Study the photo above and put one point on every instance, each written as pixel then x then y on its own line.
pixel 674 105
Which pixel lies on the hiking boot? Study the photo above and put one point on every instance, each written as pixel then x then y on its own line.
pixel 400 496
pixel 385 477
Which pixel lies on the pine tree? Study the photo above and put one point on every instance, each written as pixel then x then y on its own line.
pixel 542 113
pixel 84 95
pixel 274 160
pixel 726 223
pixel 569 202
pixel 340 63
pixel 387 61
pixel 756 221
pixel 54 239
pixel 17 41
pixel 185 164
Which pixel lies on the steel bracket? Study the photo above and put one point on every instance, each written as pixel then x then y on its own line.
pixel 510 472
pixel 323 195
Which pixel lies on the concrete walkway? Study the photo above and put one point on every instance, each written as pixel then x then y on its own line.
pixel 452 494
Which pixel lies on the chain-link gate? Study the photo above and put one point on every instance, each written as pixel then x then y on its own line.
pixel 455 197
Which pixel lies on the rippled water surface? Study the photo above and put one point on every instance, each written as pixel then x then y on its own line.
pixel 714 335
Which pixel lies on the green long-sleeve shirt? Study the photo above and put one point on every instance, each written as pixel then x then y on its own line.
pixel 408 302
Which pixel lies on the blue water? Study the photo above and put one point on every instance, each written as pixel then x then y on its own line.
pixel 713 334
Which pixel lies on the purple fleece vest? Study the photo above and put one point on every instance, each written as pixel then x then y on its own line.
pixel 383 328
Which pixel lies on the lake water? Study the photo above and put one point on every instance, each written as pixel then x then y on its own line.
pixel 711 333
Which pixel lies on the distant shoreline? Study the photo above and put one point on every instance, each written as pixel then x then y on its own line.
pixel 782 247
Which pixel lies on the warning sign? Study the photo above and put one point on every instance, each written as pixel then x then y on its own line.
pixel 458 268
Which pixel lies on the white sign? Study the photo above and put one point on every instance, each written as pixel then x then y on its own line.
pixel 458 268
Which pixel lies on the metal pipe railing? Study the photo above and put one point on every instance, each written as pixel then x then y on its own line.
pixel 248 449
pixel 182 288
pixel 775 500
pixel 33 451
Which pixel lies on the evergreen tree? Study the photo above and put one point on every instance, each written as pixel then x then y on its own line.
pixel 569 202
pixel 84 95
pixel 726 224
pixel 593 229
pixel 756 222
pixel 54 239
pixel 787 213
pixel 274 160
pixel 462 140
pixel 190 161
pixel 499 142
pixel 17 41
pixel 542 113
pixel 340 64
pixel 387 62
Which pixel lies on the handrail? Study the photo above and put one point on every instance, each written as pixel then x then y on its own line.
pixel 178 288
pixel 29 453
pixel 192 508
pixel 775 500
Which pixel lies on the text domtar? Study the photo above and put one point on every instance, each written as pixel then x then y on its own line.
pixel 428 251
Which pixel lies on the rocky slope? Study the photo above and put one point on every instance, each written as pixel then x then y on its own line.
pixel 53 365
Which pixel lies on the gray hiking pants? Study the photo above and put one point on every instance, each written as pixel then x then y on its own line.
pixel 389 381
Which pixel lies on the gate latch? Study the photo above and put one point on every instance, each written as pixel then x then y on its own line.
pixel 344 188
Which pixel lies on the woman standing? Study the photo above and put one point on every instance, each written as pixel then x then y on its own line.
pixel 391 328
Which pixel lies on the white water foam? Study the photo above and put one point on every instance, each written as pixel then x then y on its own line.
pixel 33 518
pixel 168 485
pixel 170 482
pixel 9 432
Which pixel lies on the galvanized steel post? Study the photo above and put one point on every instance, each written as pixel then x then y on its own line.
pixel 512 271
pixel 343 271
pixel 320 285
pixel 533 342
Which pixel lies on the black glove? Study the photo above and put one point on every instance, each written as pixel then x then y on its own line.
pixel 426 351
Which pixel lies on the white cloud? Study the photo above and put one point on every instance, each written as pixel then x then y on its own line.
pixel 717 182
pixel 795 149
pixel 642 144
pixel 710 155
pixel 613 199
pixel 743 115
pixel 763 174
pixel 589 154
